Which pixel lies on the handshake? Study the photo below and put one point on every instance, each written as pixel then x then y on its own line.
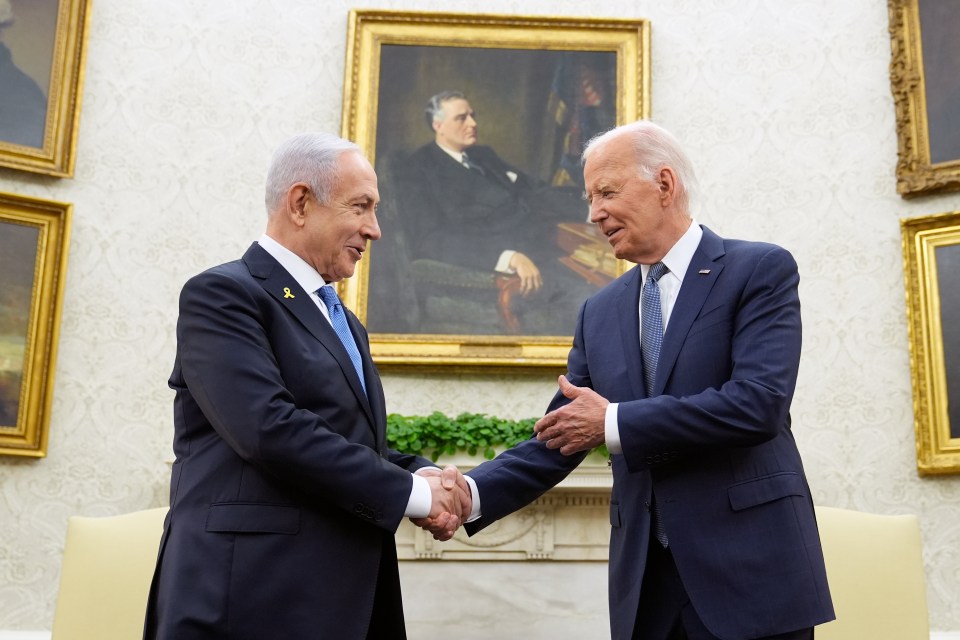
pixel 451 504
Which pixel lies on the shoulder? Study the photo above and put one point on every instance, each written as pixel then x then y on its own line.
pixel 742 253
pixel 229 275
pixel 750 252
pixel 614 290
pixel 485 154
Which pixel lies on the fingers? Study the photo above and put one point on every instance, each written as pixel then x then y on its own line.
pixel 569 389
pixel 442 527
pixel 530 278
pixel 448 477
pixel 577 426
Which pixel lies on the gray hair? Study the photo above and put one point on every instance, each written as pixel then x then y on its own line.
pixel 434 112
pixel 310 158
pixel 655 148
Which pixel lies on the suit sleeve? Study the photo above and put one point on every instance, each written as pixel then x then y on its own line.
pixel 520 475
pixel 752 341
pixel 228 357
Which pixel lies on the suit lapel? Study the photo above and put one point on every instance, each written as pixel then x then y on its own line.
pixel 701 275
pixel 628 314
pixel 281 285
pixel 374 396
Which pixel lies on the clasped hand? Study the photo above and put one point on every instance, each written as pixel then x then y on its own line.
pixel 452 502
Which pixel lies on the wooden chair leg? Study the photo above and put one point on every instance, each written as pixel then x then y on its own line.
pixel 508 286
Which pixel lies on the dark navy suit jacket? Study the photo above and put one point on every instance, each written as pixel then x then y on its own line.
pixel 713 443
pixel 459 216
pixel 284 497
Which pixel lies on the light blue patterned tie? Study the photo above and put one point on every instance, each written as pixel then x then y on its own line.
pixel 651 331
pixel 651 339
pixel 339 321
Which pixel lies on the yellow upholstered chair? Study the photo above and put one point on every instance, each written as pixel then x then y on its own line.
pixel 105 577
pixel 875 570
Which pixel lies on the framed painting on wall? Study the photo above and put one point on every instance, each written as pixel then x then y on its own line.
pixel 926 92
pixel 931 260
pixel 34 238
pixel 475 125
pixel 42 52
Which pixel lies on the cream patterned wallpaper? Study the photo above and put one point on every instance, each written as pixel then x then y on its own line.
pixel 784 106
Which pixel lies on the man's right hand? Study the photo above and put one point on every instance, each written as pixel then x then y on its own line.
pixel 529 274
pixel 451 502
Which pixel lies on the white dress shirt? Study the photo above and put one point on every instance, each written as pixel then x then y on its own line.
pixel 421 498
pixel 677 261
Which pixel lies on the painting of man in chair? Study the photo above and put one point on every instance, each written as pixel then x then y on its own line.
pixel 484 241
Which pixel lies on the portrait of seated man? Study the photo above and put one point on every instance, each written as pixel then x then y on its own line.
pixel 460 203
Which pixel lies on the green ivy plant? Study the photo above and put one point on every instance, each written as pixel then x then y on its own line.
pixel 438 434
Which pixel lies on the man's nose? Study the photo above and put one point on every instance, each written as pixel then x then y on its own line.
pixel 597 212
pixel 372 230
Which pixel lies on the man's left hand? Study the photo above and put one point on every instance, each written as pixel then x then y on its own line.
pixel 578 426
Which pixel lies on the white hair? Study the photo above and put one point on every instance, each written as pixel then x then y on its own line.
pixel 655 148
pixel 310 158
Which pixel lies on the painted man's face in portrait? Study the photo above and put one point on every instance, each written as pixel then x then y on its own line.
pixel 458 129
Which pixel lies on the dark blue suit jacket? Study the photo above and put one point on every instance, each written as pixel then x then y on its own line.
pixel 714 444
pixel 284 497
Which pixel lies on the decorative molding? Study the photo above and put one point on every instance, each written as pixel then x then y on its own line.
pixel 569 523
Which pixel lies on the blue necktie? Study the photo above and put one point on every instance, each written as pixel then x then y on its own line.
pixel 651 339
pixel 339 321
pixel 651 332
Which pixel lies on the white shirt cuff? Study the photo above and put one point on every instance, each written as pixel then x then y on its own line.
pixel 475 499
pixel 421 499
pixel 611 430
pixel 503 264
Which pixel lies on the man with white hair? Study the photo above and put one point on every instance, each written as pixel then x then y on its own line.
pixel 685 367
pixel 23 105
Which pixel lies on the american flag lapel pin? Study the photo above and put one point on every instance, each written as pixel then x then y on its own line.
pixel 704 272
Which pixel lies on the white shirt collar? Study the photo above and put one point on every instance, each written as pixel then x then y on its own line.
pixel 680 255
pixel 305 275
pixel 456 155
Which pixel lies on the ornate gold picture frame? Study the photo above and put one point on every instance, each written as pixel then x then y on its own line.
pixel 926 94
pixel 931 261
pixel 538 87
pixel 34 239
pixel 42 53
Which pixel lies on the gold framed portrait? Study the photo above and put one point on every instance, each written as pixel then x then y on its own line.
pixel 931 261
pixel 34 239
pixel 926 94
pixel 42 53
pixel 484 262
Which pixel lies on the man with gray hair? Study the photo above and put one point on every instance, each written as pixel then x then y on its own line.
pixel 284 498
pixel 685 368
pixel 463 204
pixel 23 105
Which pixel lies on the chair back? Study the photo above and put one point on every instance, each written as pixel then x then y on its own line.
pixel 105 578
pixel 876 576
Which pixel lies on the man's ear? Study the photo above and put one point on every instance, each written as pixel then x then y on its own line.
pixel 296 202
pixel 667 182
